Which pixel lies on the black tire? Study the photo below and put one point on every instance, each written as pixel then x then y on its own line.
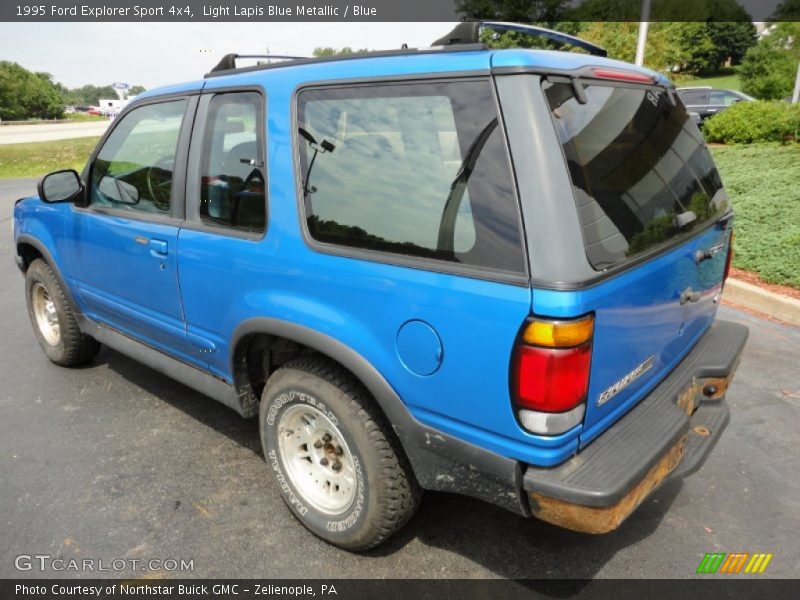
pixel 73 347
pixel 387 494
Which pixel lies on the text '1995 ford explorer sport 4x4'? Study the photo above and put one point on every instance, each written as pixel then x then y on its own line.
pixel 494 273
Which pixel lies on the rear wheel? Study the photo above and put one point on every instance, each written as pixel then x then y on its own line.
pixel 53 319
pixel 338 465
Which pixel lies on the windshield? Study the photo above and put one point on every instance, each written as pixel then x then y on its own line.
pixel 641 173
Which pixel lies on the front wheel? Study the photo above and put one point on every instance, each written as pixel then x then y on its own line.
pixel 339 467
pixel 53 319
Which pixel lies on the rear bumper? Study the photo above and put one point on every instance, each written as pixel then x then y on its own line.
pixel 668 434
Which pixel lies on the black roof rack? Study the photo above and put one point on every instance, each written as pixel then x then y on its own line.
pixel 468 32
pixel 463 38
pixel 228 61
pixel 227 65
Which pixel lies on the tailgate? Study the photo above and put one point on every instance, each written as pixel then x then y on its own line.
pixel 644 325
pixel 654 226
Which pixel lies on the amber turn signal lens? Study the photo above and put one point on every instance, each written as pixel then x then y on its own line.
pixel 558 334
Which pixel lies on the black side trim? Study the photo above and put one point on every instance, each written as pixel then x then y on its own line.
pixel 440 461
pixel 163 363
pixel 610 466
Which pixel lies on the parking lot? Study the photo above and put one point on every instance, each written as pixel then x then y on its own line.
pixel 117 461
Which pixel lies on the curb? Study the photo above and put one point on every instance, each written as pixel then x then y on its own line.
pixel 753 297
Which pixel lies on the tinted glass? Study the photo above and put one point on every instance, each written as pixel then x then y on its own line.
pixel 641 172
pixel 724 98
pixel 232 192
pixel 694 97
pixel 413 169
pixel 133 169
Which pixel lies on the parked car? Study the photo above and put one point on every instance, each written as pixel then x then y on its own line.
pixel 494 273
pixel 708 101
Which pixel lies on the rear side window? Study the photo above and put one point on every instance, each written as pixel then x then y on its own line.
pixel 694 98
pixel 418 169
pixel 641 174
pixel 232 185
pixel 725 98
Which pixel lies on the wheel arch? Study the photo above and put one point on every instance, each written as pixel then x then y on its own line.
pixel 388 400
pixel 439 461
pixel 28 249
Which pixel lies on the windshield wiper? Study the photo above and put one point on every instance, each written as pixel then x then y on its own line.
pixel 447 225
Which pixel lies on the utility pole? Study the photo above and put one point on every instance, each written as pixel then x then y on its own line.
pixel 796 95
pixel 644 24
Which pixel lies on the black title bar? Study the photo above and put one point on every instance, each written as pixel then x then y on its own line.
pixel 394 10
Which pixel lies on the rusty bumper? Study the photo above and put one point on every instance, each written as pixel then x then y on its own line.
pixel 669 433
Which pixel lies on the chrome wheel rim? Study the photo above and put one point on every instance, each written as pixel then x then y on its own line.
pixel 44 309
pixel 317 459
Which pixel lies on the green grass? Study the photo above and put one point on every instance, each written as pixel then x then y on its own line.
pixel 728 80
pixel 39 158
pixel 84 117
pixel 762 182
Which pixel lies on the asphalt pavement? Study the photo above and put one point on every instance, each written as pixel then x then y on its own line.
pixel 45 132
pixel 114 460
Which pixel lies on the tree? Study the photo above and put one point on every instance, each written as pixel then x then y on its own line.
pixel 768 70
pixel 692 35
pixel 731 40
pixel 26 95
pixel 136 90
pixel 788 10
pixel 89 95
pixel 328 51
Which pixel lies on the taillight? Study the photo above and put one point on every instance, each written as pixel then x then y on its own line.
pixel 619 75
pixel 728 259
pixel 550 373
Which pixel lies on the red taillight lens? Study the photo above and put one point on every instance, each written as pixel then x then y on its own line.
pixel 621 75
pixel 552 379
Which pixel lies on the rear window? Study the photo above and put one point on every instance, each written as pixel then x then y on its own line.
pixel 417 169
pixel 641 173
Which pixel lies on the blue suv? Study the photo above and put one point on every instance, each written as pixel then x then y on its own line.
pixel 494 273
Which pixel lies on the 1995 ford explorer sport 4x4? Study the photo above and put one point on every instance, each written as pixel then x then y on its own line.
pixel 494 273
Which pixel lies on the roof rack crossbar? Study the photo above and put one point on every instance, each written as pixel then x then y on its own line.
pixel 468 32
pixel 228 61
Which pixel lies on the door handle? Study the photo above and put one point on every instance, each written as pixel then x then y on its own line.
pixel 702 255
pixel 158 248
pixel 689 295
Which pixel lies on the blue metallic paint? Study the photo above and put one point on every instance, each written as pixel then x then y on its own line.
pixel 212 283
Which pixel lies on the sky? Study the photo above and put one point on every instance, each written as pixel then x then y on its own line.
pixel 154 54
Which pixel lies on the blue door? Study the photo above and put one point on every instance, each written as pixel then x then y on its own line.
pixel 124 251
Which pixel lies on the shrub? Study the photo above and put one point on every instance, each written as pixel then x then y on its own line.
pixel 767 73
pixel 769 68
pixel 747 122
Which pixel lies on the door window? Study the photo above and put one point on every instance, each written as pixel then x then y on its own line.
pixel 134 168
pixel 232 186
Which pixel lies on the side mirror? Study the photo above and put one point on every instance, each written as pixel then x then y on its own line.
pixel 60 186
pixel 118 191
